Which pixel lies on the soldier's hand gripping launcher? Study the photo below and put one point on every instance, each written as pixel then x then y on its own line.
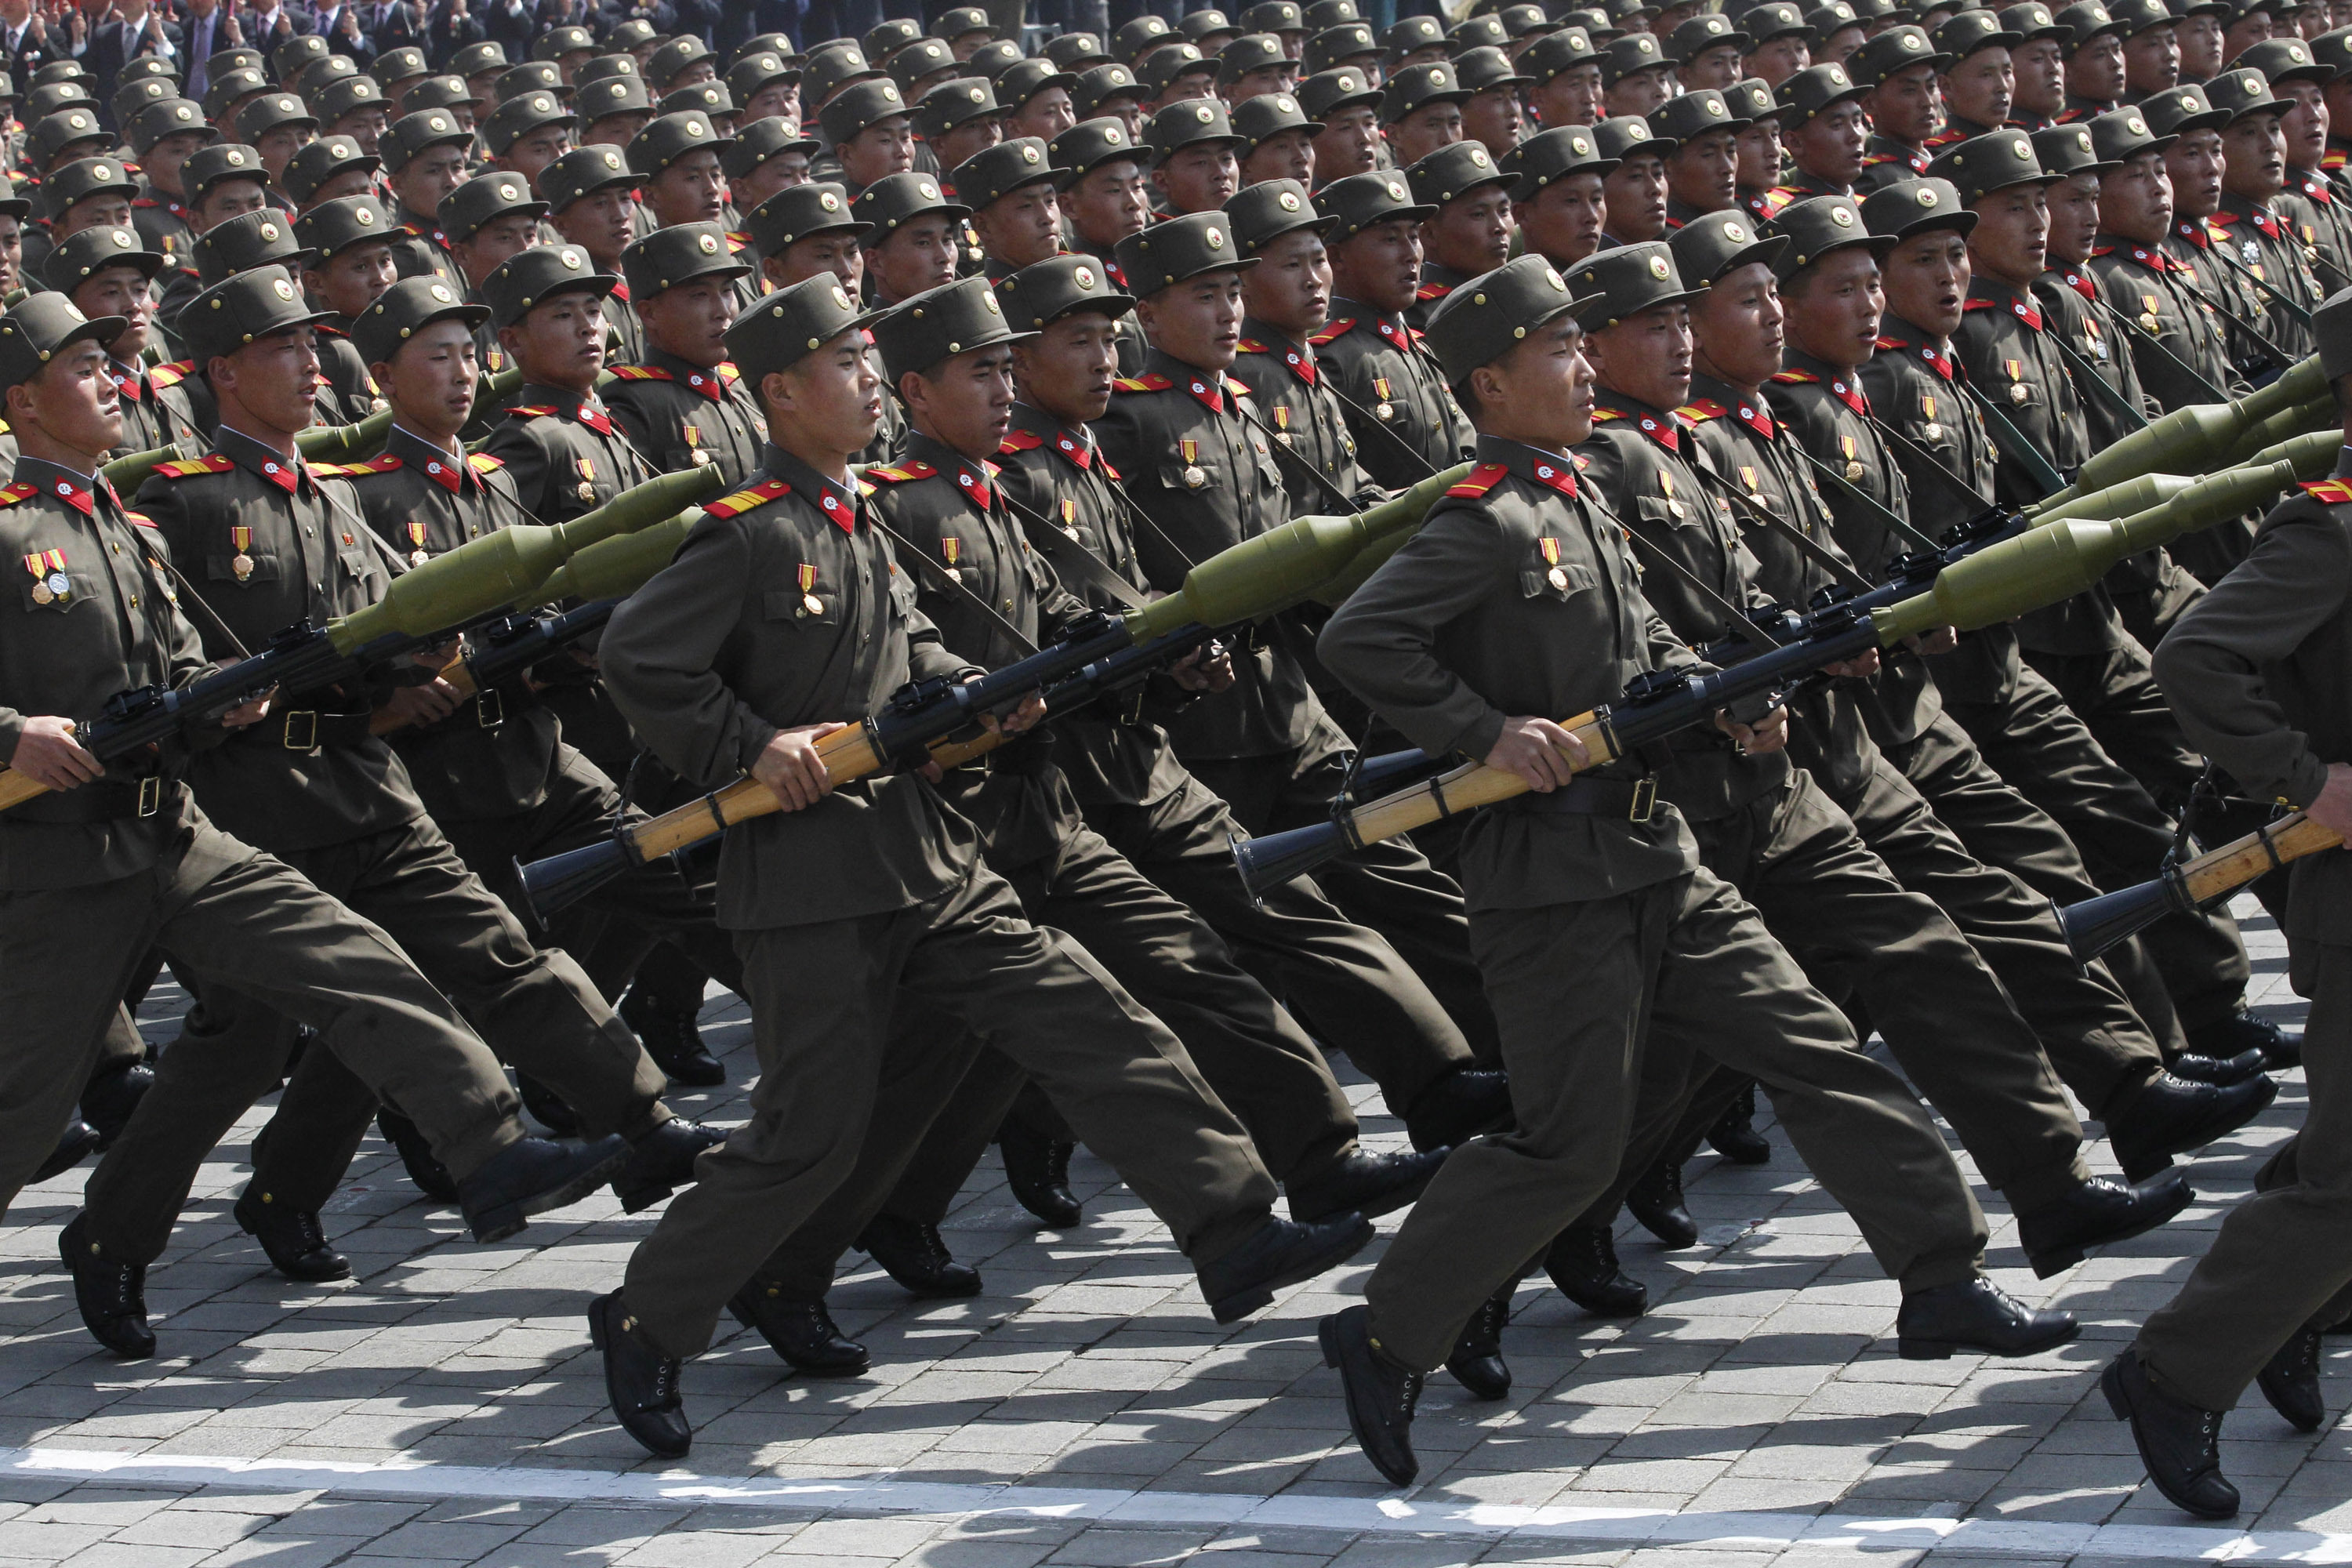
pixel 1249 582
pixel 492 576
pixel 1971 587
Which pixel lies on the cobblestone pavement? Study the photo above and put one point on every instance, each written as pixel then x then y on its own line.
pixel 444 1406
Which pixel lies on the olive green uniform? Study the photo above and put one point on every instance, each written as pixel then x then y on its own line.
pixel 152 414
pixel 1384 377
pixel 2262 241
pixel 682 416
pixel 1593 929
pixel 161 220
pixel 422 251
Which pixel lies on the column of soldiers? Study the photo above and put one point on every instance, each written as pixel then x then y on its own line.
pixel 1723 310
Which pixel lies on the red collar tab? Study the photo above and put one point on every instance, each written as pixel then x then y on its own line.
pixel 1075 447
pixel 1302 366
pixel 131 385
pixel 2194 232
pixel 1759 418
pixel 2020 308
pixel 1560 476
pixel 2083 286
pixel 72 494
pixel 708 382
pixel 1399 337
pixel 975 486
pixel 1663 429
pixel 1849 393
pixel 285 474
pixel 593 416
pixel 451 475
pixel 621 293
pixel 1206 389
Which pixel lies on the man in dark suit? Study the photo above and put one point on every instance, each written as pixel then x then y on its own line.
pixel 24 36
pixel 269 25
pixel 450 27
pixel 134 28
pixel 205 29
pixel 345 23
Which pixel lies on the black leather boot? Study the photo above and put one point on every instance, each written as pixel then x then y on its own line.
pixel 2290 1381
pixel 2192 1068
pixel 914 1255
pixel 2242 1030
pixel 2169 1117
pixel 1368 1184
pixel 2179 1444
pixel 1381 1393
pixel 1038 1170
pixel 1458 1107
pixel 1279 1252
pixel 1582 1261
pixel 2095 1213
pixel 1656 1200
pixel 531 1176
pixel 417 1157
pixel 1734 1134
pixel 673 1039
pixel 293 1238
pixel 112 1295
pixel 802 1332
pixel 641 1381
pixel 108 1099
pixel 77 1142
pixel 662 1162
pixel 1976 1315
pixel 1477 1362
pixel 546 1107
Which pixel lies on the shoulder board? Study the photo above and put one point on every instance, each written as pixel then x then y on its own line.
pixel 1705 408
pixel 2220 220
pixel 1334 330
pixel 1795 377
pixel 1483 478
pixel 642 373
pixel 139 518
pixel 1603 415
pixel 1238 388
pixel 2335 492
pixel 382 463
pixel 1893 343
pixel 1979 305
pixel 1021 441
pixel 744 500
pixel 337 470
pixel 727 371
pixel 532 411
pixel 736 241
pixel 145 202
pixel 483 463
pixel 216 464
pixel 911 471
pixel 1433 291
pixel 172 374
pixel 1252 346
pixel 17 493
pixel 1155 381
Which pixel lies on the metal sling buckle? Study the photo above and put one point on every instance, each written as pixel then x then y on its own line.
pixel 305 721
pixel 1645 800
pixel 490 710
pixel 151 795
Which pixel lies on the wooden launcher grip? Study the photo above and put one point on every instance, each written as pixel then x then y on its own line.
pixel 2233 866
pixel 1465 788
pixel 16 788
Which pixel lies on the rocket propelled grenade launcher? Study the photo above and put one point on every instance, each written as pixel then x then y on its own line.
pixel 355 442
pixel 492 576
pixel 2193 440
pixel 2095 925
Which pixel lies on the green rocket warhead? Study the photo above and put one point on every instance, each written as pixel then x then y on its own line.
pixel 618 567
pixel 351 443
pixel 511 570
pixel 2188 440
pixel 1284 565
pixel 127 473
pixel 2115 500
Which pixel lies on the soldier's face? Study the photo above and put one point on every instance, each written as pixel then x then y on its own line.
pixel 1979 87
pixel 2041 77
pixel 1647 356
pixel 1349 143
pixel 1563 220
pixel 1492 119
pixel 1198 179
pixel 119 291
pixel 430 381
pixel 838 254
pixel 2253 157
pixel 1716 69
pixel 779 99
pixel 2304 126
pixel 110 210
pixel 279 145
pixel 2194 166
pixel 1290 287
pixel 968 139
pixel 1571 98
pixel 1927 282
pixel 2152 60
pixel 965 402
pixel 560 342
pixel 2095 70
pixel 508 234
pixel 1473 232
pixel 273 379
pixel 1021 226
pixel 1758 147
pixel 1834 308
pixel 1381 266
pixel 364 126
pixel 1045 116
pixel 1635 191
pixel 350 182
pixel 2199 41
pixel 886 147
pixel 426 178
pixel 1540 392
pixel 1424 131
pixel 1197 321
pixel 1777 59
pixel 601 223
pixel 73 402
pixel 1829 146
pixel 827 406
pixel 1259 83
pixel 2073 219
pixel 1285 155
pixel 616 129
pixel 691 319
pixel 2135 201
pixel 691 190
pixel 531 154
pixel 1909 105
pixel 920 254
pixel 1703 172
pixel 1737 327
pixel 163 162
pixel 1638 92
pixel 1068 369
pixel 1108 205
pixel 2254 28
pixel 11 251
pixel 2012 239
pixel 354 280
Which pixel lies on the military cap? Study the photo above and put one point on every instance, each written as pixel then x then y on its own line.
pixel 582 172
pixel 1191 124
pixel 56 95
pixel 1477 32
pixel 412 133
pixel 2140 17
pixel 1098 85
pixel 1827 20
pixel 1269 114
pixel 1906 207
pixel 1206 22
pixel 1622 56
pixel 765 44
pixel 1264 212
pixel 1819 227
pixel 2241 90
pixel 1487 317
pixel 939 323
pixel 1963 33
pixel 295 53
pixel 1412 33
pixel 1751 99
pixel 57 132
pixel 1892 51
pixel 761 141
pixel 1414 86
pixel 996 172
pixel 39 326
pixel 1331 13
pixel 1993 161
pixel 316 78
pixel 1024 79
pixel 996 60
pixel 955 103
pixel 1629 10
pixel 1166 63
pixel 208 166
pixel 2031 19
pixel 263 238
pixel 1549 155
pixel 2179 110
pixel 318 161
pixel 332 228
pixel 395 66
pixel 1169 252
pixel 1347 41
pixel 2086 21
pixel 86 252
pixel 2334 50
pixel 894 199
pixel 604 67
pixel 1250 52
pixel 755 73
pixel 709 98
pixel 272 111
pixel 672 137
pixel 444 92
pixel 82 179
pixel 1623 136
pixel 147 66
pixel 1813 89
pixel 1076 51
pixel 2285 59
pixel 168 117
pixel 465 210
pixel 1089 144
pixel 1327 92
pixel 1359 201
pixel 673 60
pixel 859 107
pixel 558 42
pixel 229 87
pixel 479 59
pixel 2063 150
pixel 529 278
pixel 234 60
pixel 924 57
pixel 2124 134
pixel 1690 115
pixel 1780 20
pixel 962 22
pixel 1550 55
pixel 338 99
pixel 611 95
pixel 889 37
pixel 532 77
pixel 2331 325
pixel 2239 9
pixel 1475 71
pixel 795 213
pixel 783 328
pixel 1694 35
pixel 635 33
pixel 1275 16
pixel 1709 246
pixel 679 254
pixel 833 71
pixel 133 96
pixel 1868 11
pixel 1454 170
pixel 1524 20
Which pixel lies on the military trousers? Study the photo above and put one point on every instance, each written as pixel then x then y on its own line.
pixel 1390 886
pixel 1581 992
pixel 994 1094
pixel 2114 694
pixel 1344 982
pixel 1256 1060
pixel 243 920
pixel 824 999
pixel 533 1007
pixel 2036 743
pixel 2282 1257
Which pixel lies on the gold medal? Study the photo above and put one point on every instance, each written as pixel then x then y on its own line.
pixel 1194 478
pixel 240 538
pixel 1931 431
pixel 587 492
pixel 1385 411
pixel 1853 471
pixel 1560 579
pixel 701 458
pixel 241 567
pixel 810 603
pixel 1678 509
pixel 41 594
pixel 417 558
pixel 2018 393
pixel 2147 320
pixel 952 548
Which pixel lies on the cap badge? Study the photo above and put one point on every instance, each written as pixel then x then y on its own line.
pixel 2022 148
pixel 1658 267
pixel 79 122
pixel 1558 284
pixel 269 231
pixel 1582 148
pixel 441 295
pixel 1083 276
pixel 282 288
pixel 828 201
pixel 1843 217
pixel 122 240
pixel 1926 195
pixel 976 95
pixel 1714 106
pixel 1734 233
pixel 1288 201
pixel 1112 134
pixel 364 216
pixel 990 301
pixel 1396 191
pixel 840 299
pixel 435 124
pixel 1284 104
pixel 1204 114
pixel 1216 239
pixel 183 113
pixel 694 127
pixel 2135 125
pixel 1030 154
pixel 1478 156
pixel 1914 42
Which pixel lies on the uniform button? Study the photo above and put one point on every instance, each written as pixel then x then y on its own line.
pixel 306 531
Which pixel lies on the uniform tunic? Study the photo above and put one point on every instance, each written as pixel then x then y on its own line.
pixel 1385 377
pixel 682 416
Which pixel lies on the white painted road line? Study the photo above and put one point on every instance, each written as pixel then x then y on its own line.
pixel 1347 1516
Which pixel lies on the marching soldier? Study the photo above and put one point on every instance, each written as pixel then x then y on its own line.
pixel 1898 68
pixel 105 273
pixel 1560 201
pixel 685 406
pixel 423 158
pixel 1010 189
pixel 163 135
pixel 2194 164
pixel 2269 258
pixel 1469 229
pixel 350 264
pixel 800 233
pixel 1824 129
pixel 590 194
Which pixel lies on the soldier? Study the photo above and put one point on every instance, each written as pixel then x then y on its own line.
pixel 277 125
pixel 108 863
pixel 2093 56
pixel 354 106
pixel 2151 43
pixel 767 156
pixel 259 239
pixel 1399 410
pixel 1491 115
pixel 527 132
pixel 163 135
pixel 1780 47
pixel 1111 90
pixel 1469 229
pixel 1636 75
pixel 2193 165
pixel 1824 130
pixel 806 230
pixel 1421 110
pixel 106 274
pixel 612 110
pixel 1707 50
pixel 1757 147
pixel 2198 34
pixel 912 238
pixel 349 242
pixel 590 194
pixel 685 406
pixel 1253 65
pixel 1195 154
pixel 957 119
pixel 89 193
pixel 1098 176
pixel 423 158
pixel 340 810
pixel 2262 248
pixel 1634 194
pixel 1980 84
pixel 885 888
pixel 871 134
pixel 558 441
pixel 1703 169
pixel 1176 73
pixel 1560 199
pixel 1899 69
pixel 1036 99
pixel 1346 103
pixel 1512 566
pixel 331 167
pixel 2319 218
pixel 1278 140
pixel 1010 190
pixel 1566 72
